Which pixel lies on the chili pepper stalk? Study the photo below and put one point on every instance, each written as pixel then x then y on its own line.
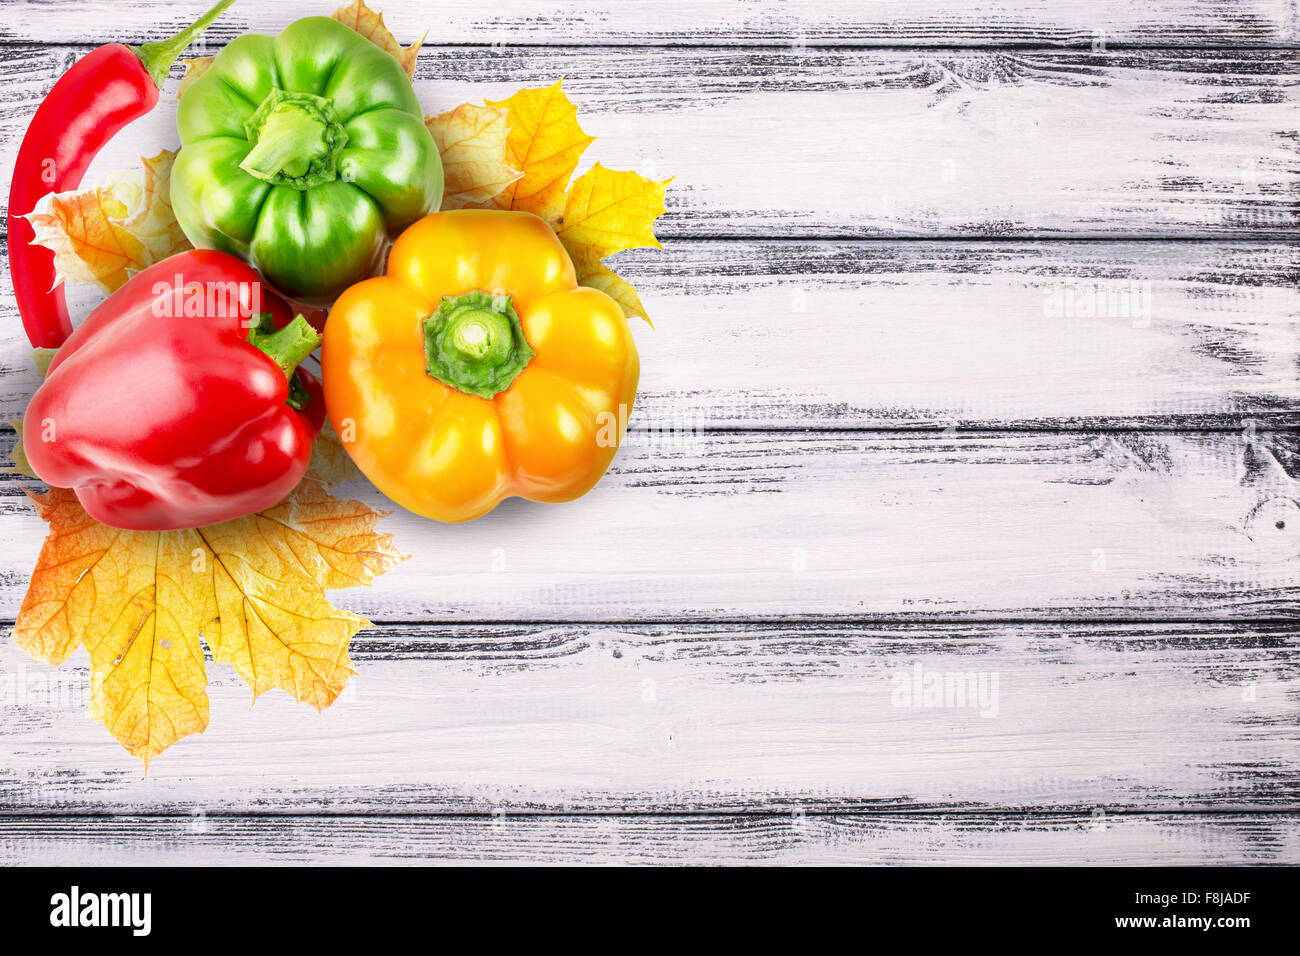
pixel 157 57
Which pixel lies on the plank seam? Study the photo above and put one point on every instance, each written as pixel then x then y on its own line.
pixel 1080 46
pixel 857 810
pixel 1281 237
pixel 1272 622
pixel 920 432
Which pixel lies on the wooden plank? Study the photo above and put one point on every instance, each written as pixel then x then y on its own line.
pixel 747 22
pixel 841 839
pixel 775 525
pixel 916 334
pixel 793 717
pixel 955 143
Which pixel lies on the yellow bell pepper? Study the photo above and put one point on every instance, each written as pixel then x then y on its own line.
pixel 477 369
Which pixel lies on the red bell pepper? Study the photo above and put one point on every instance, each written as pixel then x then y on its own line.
pixel 178 402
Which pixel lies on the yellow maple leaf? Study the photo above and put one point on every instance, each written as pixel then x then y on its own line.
pixel 602 212
pixel 107 233
pixel 473 143
pixel 607 211
pixel 545 142
pixel 371 26
pixel 603 279
pixel 253 588
pixel 194 68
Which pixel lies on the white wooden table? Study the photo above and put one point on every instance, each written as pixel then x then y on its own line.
pixel 976 353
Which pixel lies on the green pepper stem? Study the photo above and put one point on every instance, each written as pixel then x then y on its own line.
pixel 157 57
pixel 287 346
pixel 475 343
pixel 296 140
pixel 289 140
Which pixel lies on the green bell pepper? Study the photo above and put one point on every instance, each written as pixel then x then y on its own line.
pixel 301 154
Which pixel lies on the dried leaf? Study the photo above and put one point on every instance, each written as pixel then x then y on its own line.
pixel 603 212
pixel 602 278
pixel 107 233
pixel 84 231
pixel 43 358
pixel 473 143
pixel 330 459
pixel 18 463
pixel 371 26
pixel 545 142
pixel 123 595
pixel 153 221
pixel 193 70
pixel 253 588
pixel 607 211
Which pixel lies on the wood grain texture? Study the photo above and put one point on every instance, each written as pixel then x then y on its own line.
pixel 839 839
pixel 707 718
pixel 692 22
pixel 901 334
pixel 761 525
pixel 870 143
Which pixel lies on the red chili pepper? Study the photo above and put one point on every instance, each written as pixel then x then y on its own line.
pixel 177 403
pixel 106 89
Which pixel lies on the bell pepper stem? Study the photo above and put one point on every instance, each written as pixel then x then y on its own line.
pixel 157 57
pixel 475 343
pixel 287 346
pixel 288 141
pixel 480 336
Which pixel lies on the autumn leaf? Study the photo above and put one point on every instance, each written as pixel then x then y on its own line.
pixel 602 212
pixel 607 211
pixel 270 618
pixel 252 588
pixel 473 143
pixel 194 68
pixel 84 231
pixel 153 221
pixel 603 279
pixel 371 26
pixel 545 142
pixel 43 358
pixel 120 593
pixel 107 233
pixel 18 463
pixel 330 460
